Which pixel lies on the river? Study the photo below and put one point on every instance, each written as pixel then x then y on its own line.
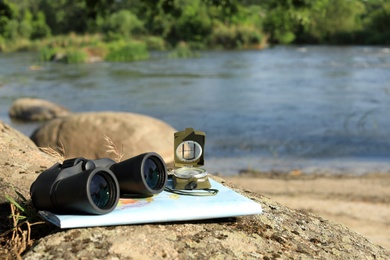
pixel 314 108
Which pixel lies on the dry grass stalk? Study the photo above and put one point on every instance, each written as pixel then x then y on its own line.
pixel 112 148
pixel 17 240
pixel 58 153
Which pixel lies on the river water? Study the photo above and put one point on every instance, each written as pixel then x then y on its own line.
pixel 315 108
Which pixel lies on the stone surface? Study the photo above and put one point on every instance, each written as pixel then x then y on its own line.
pixel 20 162
pixel 278 233
pixel 33 109
pixel 84 135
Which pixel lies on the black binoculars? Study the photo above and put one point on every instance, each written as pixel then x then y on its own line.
pixel 81 186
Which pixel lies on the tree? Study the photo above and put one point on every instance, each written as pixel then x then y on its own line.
pixel 65 16
pixel 332 17
pixel 122 24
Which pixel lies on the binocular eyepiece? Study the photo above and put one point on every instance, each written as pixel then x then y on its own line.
pixel 79 186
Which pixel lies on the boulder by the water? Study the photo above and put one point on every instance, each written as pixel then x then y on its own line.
pixel 89 134
pixel 34 109
pixel 20 161
pixel 278 233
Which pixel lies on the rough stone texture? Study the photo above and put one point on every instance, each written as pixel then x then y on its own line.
pixel 20 162
pixel 279 232
pixel 33 109
pixel 84 135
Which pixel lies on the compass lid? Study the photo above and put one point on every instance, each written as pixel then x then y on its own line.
pixel 189 148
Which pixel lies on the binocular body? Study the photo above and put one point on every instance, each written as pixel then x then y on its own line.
pixel 81 186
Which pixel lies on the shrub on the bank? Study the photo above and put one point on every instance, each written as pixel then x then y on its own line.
pixel 231 37
pixel 127 51
pixel 122 24
pixel 74 56
pixel 378 23
pixel 183 50
pixel 154 43
pixel 113 51
pixel 47 53
pixel 72 40
pixel 70 55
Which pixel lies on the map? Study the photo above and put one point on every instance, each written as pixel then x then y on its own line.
pixel 164 207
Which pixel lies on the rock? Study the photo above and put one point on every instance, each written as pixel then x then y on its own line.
pixel 279 232
pixel 21 160
pixel 33 109
pixel 84 135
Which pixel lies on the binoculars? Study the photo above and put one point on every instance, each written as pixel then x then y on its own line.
pixel 81 186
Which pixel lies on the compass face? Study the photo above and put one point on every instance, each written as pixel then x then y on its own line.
pixel 189 151
pixel 189 172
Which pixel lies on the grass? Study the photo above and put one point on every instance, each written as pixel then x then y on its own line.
pixel 19 234
pixel 122 51
pixel 182 50
pixel 118 51
pixel 113 149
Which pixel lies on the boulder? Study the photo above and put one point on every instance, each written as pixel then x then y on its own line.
pixel 33 109
pixel 280 232
pixel 21 160
pixel 93 135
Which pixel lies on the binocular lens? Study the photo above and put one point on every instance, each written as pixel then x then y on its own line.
pixel 143 175
pixel 100 190
pixel 152 173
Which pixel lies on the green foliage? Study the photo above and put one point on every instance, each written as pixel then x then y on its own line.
pixel 283 21
pixel 223 10
pixel 72 40
pixel 40 28
pixel 18 22
pixel 199 23
pixel 232 37
pixel 183 50
pixel 193 23
pixel 378 24
pixel 332 17
pixel 46 53
pixel 69 56
pixel 74 56
pixel 65 16
pixel 122 24
pixel 154 43
pixel 127 51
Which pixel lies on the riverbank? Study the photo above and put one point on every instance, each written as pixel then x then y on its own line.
pixel 362 203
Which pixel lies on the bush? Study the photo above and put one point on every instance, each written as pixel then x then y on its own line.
pixel 182 50
pixel 2 44
pixel 39 27
pixel 122 24
pixel 72 40
pixel 74 56
pixel 378 26
pixel 127 51
pixel 235 36
pixel 194 23
pixel 46 53
pixel 69 56
pixel 154 43
pixel 223 37
pixel 248 36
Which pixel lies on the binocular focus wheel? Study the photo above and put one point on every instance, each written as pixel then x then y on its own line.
pixel 85 164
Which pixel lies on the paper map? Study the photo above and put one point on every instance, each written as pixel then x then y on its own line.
pixel 164 207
